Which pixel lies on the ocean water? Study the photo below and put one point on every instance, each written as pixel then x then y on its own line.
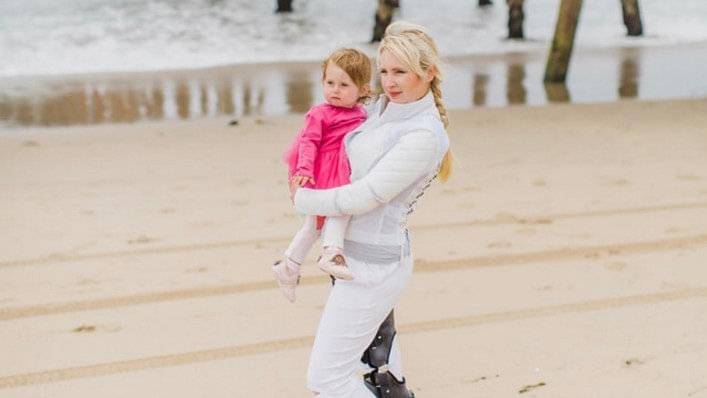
pixel 59 37
pixel 74 62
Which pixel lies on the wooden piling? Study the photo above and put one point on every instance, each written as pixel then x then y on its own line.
pixel 515 19
pixel 561 50
pixel 632 17
pixel 284 6
pixel 384 16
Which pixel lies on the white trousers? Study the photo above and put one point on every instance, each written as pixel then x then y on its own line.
pixel 332 235
pixel 353 313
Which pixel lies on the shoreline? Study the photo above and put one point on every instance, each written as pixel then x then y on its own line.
pixel 254 65
pixel 491 80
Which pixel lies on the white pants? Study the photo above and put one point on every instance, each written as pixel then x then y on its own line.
pixel 353 313
pixel 332 235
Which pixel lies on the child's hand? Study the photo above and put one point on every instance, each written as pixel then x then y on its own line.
pixel 296 182
pixel 301 180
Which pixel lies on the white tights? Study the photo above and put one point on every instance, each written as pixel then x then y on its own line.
pixel 332 235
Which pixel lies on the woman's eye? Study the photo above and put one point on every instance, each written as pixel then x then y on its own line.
pixel 344 85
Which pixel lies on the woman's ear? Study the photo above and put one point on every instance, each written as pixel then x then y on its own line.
pixel 431 73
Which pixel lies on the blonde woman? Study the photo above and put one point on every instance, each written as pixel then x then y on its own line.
pixel 394 156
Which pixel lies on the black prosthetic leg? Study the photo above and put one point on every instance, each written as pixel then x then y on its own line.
pixel 380 381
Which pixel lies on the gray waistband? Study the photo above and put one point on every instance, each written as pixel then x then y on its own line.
pixel 376 254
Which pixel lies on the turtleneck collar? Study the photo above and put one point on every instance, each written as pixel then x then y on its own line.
pixel 391 110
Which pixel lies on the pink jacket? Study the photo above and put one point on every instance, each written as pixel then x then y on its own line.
pixel 318 150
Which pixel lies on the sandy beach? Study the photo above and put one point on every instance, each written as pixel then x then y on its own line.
pixel 566 257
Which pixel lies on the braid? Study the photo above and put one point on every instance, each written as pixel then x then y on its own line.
pixel 437 93
pixel 445 168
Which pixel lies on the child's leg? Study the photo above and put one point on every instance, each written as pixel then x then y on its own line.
pixel 333 261
pixel 303 240
pixel 334 231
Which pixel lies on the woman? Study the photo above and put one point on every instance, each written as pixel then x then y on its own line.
pixel 394 156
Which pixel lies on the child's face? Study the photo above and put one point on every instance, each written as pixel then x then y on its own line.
pixel 339 89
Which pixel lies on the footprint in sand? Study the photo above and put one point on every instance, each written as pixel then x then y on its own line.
pixel 30 144
pixel 621 182
pixel 499 245
pixel 534 221
pixel 688 177
pixel 96 328
pixel 526 231
pixel 635 361
pixel 615 266
pixel 141 240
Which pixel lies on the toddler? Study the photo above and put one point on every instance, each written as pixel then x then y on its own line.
pixel 317 159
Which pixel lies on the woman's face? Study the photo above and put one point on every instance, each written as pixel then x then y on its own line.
pixel 401 84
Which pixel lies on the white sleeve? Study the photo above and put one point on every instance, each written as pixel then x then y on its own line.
pixel 411 158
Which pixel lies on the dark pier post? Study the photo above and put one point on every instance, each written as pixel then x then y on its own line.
pixel 515 19
pixel 561 51
pixel 284 6
pixel 384 16
pixel 632 17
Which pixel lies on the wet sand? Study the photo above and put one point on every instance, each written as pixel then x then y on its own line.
pixel 597 75
pixel 566 257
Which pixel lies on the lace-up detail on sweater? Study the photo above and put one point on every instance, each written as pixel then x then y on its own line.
pixel 417 194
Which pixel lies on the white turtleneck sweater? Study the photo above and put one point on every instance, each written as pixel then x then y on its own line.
pixel 394 156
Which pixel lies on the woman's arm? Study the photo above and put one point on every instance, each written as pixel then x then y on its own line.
pixel 411 158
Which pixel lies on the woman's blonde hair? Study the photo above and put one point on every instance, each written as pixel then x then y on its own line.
pixel 414 47
pixel 356 64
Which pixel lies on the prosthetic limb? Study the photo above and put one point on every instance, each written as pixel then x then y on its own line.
pixel 380 381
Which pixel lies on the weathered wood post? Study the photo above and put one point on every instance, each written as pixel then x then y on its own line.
pixel 561 50
pixel 515 90
pixel 284 6
pixel 481 80
pixel 632 17
pixel 557 92
pixel 485 3
pixel 384 16
pixel 515 19
pixel 628 79
pixel 299 93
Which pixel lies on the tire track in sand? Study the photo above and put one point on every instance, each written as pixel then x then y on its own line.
pixel 420 266
pixel 162 361
pixel 501 220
